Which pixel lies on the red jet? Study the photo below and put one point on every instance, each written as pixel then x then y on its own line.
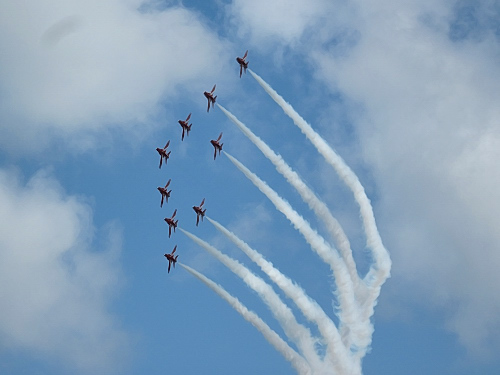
pixel 186 127
pixel 243 63
pixel 171 223
pixel 211 98
pixel 163 153
pixel 199 212
pixel 165 194
pixel 217 145
pixel 171 258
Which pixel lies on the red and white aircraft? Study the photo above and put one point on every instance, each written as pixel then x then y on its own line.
pixel 243 63
pixel 211 98
pixel 171 258
pixel 163 153
pixel 165 194
pixel 199 211
pixel 171 223
pixel 217 145
pixel 186 127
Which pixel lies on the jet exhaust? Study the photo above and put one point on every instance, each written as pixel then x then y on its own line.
pixel 296 332
pixel 308 196
pixel 348 310
pixel 380 270
pixel 309 307
pixel 356 296
pixel 271 336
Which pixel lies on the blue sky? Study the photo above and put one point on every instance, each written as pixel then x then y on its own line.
pixel 407 94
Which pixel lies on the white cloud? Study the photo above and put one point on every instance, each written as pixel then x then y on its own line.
pixel 428 123
pixel 431 133
pixel 55 289
pixel 70 68
pixel 284 21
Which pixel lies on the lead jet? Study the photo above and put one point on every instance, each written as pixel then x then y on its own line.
pixel 163 153
pixel 171 223
pixel 186 127
pixel 171 258
pixel 243 63
pixel 211 98
pixel 165 194
pixel 217 145
pixel 199 211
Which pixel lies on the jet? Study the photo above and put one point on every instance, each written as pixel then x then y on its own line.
pixel 165 194
pixel 199 212
pixel 171 258
pixel 217 145
pixel 171 223
pixel 243 63
pixel 211 98
pixel 185 126
pixel 163 153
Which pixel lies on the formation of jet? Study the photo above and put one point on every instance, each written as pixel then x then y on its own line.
pixel 217 145
pixel 164 156
pixel 171 223
pixel 171 258
pixel 186 127
pixel 163 153
pixel 165 194
pixel 199 211
pixel 243 63
pixel 211 98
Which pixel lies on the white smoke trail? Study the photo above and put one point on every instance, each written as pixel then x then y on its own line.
pixel 308 196
pixel 338 355
pixel 355 330
pixel 271 336
pixel 295 332
pixel 356 297
pixel 380 271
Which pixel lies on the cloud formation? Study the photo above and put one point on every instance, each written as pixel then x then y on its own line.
pixel 430 133
pixel 70 68
pixel 56 289
pixel 283 20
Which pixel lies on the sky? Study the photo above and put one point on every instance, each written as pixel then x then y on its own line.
pixel 406 93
